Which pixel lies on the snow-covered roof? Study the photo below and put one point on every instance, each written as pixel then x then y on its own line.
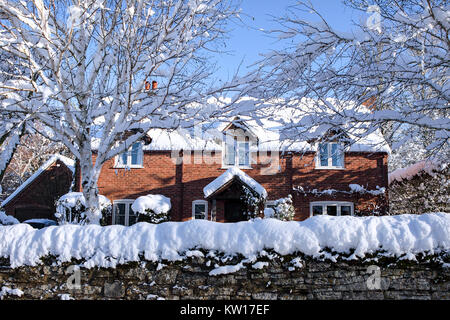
pixel 67 161
pixel 273 128
pixel 229 175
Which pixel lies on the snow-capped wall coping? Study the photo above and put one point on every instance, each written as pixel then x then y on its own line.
pixel 112 245
pixel 408 173
pixel 227 176
pixel 67 161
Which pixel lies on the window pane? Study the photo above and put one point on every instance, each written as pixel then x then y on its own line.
pixel 135 153
pixel 332 210
pixel 132 217
pixel 336 155
pixel 229 153
pixel 199 211
pixel 119 213
pixel 346 210
pixel 244 155
pixel 323 154
pixel 317 210
pixel 123 158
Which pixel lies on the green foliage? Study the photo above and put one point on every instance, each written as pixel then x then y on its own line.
pixel 152 217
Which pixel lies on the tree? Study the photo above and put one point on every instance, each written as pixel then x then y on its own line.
pixel 31 152
pixel 391 72
pixel 89 62
pixel 12 126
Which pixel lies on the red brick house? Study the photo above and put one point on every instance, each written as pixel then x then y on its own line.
pixel 322 178
pixel 325 177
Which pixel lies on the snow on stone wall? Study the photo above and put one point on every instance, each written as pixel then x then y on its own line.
pixel 112 245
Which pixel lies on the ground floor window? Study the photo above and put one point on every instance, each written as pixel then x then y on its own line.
pixel 200 209
pixel 331 208
pixel 123 214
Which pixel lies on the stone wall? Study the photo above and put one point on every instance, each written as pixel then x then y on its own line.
pixel 190 279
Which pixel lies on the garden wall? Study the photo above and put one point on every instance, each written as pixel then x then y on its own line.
pixel 191 279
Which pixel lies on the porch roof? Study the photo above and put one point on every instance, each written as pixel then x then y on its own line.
pixel 228 176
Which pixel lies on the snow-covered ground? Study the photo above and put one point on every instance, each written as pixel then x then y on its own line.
pixel 108 246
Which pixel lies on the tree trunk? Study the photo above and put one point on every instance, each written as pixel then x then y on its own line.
pixel 89 178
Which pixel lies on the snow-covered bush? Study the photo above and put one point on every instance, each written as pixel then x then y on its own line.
pixel 152 208
pixel 253 202
pixel 71 208
pixel 283 209
pixel 7 220
pixel 422 187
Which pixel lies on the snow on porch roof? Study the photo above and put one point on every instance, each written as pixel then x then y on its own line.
pixel 67 161
pixel 229 175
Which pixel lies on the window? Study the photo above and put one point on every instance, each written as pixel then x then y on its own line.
pixel 200 209
pixel 123 214
pixel 331 208
pixel 236 152
pixel 330 155
pixel 133 158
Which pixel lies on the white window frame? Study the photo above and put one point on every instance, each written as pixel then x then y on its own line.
pixel 140 155
pixel 195 202
pixel 237 142
pixel 330 157
pixel 128 203
pixel 338 204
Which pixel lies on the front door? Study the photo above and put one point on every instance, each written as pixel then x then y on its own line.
pixel 234 211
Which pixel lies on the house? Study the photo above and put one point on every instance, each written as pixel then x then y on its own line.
pixel 209 170
pixel 35 198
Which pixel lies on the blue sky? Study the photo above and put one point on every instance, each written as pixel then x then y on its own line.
pixel 245 43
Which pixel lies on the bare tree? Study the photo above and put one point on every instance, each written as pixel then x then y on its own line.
pixel 390 72
pixel 89 62
pixel 32 151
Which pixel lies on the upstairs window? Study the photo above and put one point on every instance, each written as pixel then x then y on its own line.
pixel 236 152
pixel 330 155
pixel 133 158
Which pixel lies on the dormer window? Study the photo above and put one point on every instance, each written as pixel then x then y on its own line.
pixel 330 155
pixel 236 152
pixel 132 158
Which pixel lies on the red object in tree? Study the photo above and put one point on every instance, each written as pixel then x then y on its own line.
pixel 147 85
pixel 154 85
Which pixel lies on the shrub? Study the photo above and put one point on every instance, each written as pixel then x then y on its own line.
pixel 152 208
pixel 71 209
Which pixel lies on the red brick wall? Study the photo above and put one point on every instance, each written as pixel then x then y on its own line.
pixel 184 183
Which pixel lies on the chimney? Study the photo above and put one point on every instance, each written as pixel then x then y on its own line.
pixel 370 103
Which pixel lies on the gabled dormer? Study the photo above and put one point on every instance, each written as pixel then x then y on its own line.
pixel 331 150
pixel 237 142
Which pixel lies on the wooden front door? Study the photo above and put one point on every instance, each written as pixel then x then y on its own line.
pixel 234 211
